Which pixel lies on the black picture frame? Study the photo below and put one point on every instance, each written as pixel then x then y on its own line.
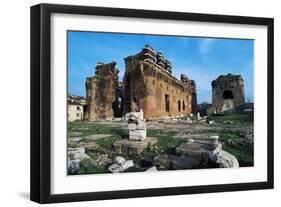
pixel 41 99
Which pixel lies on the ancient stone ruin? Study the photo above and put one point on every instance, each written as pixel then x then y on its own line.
pixel 101 91
pixel 137 141
pixel 207 152
pixel 148 84
pixel 227 94
pixel 137 126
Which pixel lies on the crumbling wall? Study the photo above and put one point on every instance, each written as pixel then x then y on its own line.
pixel 147 84
pixel 228 93
pixel 101 91
pixel 150 86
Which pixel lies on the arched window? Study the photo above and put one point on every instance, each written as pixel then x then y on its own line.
pixel 227 94
pixel 183 106
pixel 179 105
pixel 167 103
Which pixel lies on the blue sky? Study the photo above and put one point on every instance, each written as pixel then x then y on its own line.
pixel 201 59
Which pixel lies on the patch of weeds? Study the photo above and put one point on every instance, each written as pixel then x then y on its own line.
pixel 236 118
pixel 93 155
pixel 165 145
pixel 97 128
pixel 106 143
pixel 92 169
pixel 165 141
pixel 225 136
pixel 244 154
pixel 148 152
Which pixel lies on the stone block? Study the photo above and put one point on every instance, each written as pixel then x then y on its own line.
pixel 134 116
pixel 73 166
pixel 141 125
pixel 127 164
pixel 77 153
pixel 137 135
pixel 119 160
pixel 72 151
pixel 89 146
pixel 126 146
pixel 132 126
pixel 184 162
pixel 226 160
pixel 115 168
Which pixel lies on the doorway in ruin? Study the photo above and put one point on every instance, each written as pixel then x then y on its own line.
pixel 167 103
pixel 118 107
pixel 127 94
pixel 179 105
pixel 183 106
pixel 227 94
pixel 228 104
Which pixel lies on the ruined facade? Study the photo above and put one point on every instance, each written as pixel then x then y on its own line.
pixel 148 85
pixel 228 93
pixel 100 91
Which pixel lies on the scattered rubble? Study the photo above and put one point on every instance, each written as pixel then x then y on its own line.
pixel 118 160
pixel 102 159
pixel 175 162
pixel 120 165
pixel 73 166
pixel 77 153
pixel 75 156
pixel 246 139
pixel 206 151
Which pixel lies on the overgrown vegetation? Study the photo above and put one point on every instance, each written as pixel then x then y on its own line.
pixel 234 118
pixel 244 154
pixel 167 142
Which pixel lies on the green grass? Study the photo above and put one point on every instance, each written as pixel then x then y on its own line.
pixel 96 128
pixel 225 135
pixel 236 118
pixel 92 170
pixel 166 142
pixel 106 143
pixel 165 145
pixel 244 154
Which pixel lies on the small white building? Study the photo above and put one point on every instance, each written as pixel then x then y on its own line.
pixel 76 107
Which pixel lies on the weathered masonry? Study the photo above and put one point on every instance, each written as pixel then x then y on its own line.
pixel 100 91
pixel 228 93
pixel 148 85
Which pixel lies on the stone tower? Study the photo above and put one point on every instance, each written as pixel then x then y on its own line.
pixel 228 93
pixel 101 91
